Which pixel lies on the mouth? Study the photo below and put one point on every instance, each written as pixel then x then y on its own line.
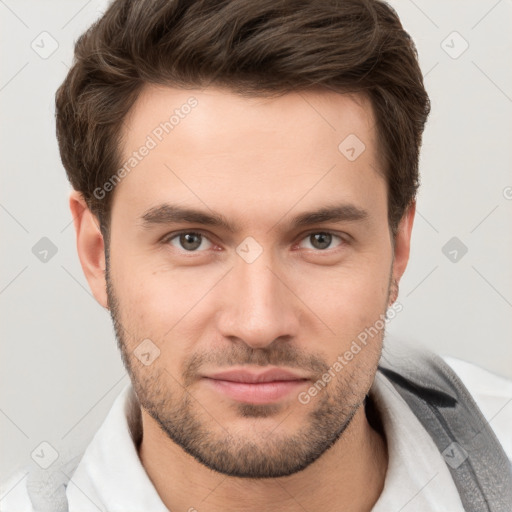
pixel 256 387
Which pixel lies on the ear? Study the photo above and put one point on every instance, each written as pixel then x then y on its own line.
pixel 90 246
pixel 402 248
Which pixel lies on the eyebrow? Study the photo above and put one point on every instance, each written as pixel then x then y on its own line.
pixel 168 214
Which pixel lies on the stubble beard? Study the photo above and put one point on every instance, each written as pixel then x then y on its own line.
pixel 275 452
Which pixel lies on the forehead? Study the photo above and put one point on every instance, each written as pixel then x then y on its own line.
pixel 161 110
pixel 212 145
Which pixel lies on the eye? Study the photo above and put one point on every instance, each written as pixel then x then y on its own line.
pixel 192 241
pixel 320 240
pixel 189 241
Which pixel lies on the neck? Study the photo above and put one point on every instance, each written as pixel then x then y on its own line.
pixel 350 475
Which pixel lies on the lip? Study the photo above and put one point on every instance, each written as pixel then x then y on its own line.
pixel 251 377
pixel 257 387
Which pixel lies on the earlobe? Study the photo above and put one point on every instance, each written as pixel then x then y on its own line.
pixel 90 246
pixel 402 249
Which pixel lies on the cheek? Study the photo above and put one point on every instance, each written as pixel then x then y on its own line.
pixel 143 303
pixel 161 305
pixel 349 298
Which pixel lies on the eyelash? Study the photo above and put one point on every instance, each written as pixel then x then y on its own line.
pixel 343 239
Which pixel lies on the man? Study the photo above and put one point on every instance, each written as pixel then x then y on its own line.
pixel 244 180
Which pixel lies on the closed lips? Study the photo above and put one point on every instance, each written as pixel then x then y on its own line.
pixel 243 376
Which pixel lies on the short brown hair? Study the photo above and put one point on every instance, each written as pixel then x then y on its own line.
pixel 262 47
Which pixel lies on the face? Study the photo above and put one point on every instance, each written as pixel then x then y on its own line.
pixel 248 252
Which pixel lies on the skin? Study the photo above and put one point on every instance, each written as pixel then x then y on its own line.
pixel 258 162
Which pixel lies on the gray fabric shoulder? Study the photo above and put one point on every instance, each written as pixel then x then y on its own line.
pixel 47 488
pixel 477 462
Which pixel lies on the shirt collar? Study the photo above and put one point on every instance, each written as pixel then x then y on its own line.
pixel 110 475
pixel 417 477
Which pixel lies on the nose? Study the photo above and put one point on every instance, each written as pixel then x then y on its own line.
pixel 258 305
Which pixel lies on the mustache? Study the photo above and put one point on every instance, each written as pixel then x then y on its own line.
pixel 281 354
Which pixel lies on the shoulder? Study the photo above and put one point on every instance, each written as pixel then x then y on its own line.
pixel 493 395
pixel 30 489
pixel 13 492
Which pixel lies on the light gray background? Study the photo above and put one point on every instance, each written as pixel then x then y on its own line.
pixel 59 365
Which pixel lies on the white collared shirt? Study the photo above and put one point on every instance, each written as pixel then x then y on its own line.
pixel 111 478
